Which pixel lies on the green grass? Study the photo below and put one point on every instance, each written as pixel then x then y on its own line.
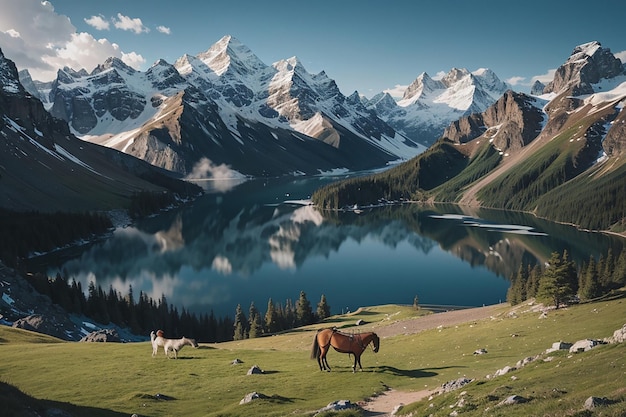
pixel 121 379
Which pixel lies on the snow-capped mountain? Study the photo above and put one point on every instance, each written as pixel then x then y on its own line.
pixel 428 105
pixel 227 107
pixel 559 155
pixel 44 167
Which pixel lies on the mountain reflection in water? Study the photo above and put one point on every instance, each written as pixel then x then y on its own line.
pixel 258 241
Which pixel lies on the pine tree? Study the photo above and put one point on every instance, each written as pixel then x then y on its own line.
pixel 618 278
pixel 589 286
pixel 304 313
pixel 271 318
pixel 555 283
pixel 323 309
pixel 240 324
pixel 254 322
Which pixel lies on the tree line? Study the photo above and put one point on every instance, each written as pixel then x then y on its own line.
pixel 562 280
pixel 140 315
pixel 277 317
pixel 143 315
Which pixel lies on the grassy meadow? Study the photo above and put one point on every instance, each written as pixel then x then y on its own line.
pixel 111 379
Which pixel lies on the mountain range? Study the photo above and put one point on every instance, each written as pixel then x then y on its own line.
pixel 224 107
pixel 225 110
pixel 559 155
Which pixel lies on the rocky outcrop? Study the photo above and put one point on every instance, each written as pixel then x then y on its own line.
pixel 614 143
pixel 104 335
pixel 510 123
pixel 588 64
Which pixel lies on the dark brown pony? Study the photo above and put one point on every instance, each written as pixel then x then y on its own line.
pixel 353 344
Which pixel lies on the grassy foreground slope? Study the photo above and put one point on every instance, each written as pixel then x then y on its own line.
pixel 122 379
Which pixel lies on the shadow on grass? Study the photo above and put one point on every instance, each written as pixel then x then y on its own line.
pixel 17 404
pixel 412 373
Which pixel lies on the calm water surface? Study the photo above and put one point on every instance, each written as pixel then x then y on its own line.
pixel 257 241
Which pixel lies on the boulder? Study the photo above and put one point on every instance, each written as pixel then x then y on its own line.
pixel 251 397
pixel 619 335
pixel 337 406
pixel 584 345
pixel 593 402
pixel 513 399
pixel 559 346
pixel 255 370
pixel 480 351
pixel 454 385
pixel 504 370
pixel 104 335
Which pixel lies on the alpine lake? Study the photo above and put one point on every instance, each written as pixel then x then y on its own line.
pixel 256 240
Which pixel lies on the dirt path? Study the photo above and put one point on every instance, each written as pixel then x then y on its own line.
pixel 385 404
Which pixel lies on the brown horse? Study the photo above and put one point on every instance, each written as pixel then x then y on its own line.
pixel 353 344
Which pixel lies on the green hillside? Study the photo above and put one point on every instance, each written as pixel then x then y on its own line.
pixel 111 379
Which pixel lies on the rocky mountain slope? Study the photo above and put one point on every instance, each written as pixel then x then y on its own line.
pixel 44 167
pixel 429 105
pixel 558 154
pixel 226 107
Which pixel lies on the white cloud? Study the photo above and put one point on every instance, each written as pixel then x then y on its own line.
pixel 439 75
pixel 34 36
pixel 396 91
pixel 544 78
pixel 621 56
pixel 13 33
pixel 516 80
pixel 132 24
pixel 98 22
pixel 164 29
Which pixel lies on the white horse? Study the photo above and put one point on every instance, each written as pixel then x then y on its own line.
pixel 169 344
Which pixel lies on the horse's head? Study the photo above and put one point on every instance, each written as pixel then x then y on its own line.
pixel 375 342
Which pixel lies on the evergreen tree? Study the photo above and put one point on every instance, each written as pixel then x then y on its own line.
pixel 240 324
pixel 589 286
pixel 254 322
pixel 304 312
pixel 618 278
pixel 556 282
pixel 272 324
pixel 323 309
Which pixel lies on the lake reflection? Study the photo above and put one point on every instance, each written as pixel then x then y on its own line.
pixel 257 242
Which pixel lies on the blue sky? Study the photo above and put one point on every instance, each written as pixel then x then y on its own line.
pixel 369 46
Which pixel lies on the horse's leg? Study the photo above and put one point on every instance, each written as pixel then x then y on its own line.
pixel 325 366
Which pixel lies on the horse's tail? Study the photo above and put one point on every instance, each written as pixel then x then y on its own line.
pixel 152 336
pixel 315 349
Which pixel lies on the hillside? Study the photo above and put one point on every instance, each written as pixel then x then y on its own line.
pixel 412 358
pixel 558 155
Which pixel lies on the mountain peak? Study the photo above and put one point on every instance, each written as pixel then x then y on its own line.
pixel 587 65
pixel 9 79
pixel 113 62
pixel 229 53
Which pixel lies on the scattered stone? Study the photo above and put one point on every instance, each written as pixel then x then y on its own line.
pixel 526 361
pixel 480 351
pixel 251 397
pixel 619 335
pixel 396 409
pixel 236 361
pixel 104 335
pixel 585 345
pixel 513 399
pixel 559 346
pixel 337 406
pixel 360 322
pixel 504 370
pixel 544 315
pixel 454 385
pixel 255 370
pixel 593 402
